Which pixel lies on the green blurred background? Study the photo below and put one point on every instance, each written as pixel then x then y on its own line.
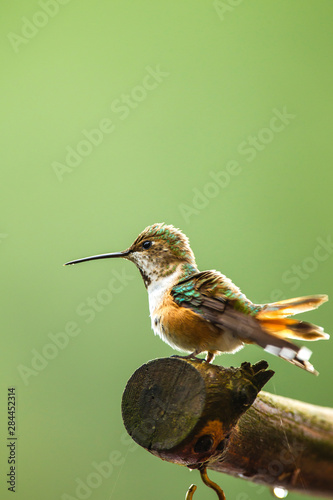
pixel 179 90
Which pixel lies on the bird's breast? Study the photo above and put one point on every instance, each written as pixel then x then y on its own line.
pixel 182 328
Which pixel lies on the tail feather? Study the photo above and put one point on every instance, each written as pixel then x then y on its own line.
pixel 268 328
pixel 294 329
pixel 252 331
pixel 290 307
pixel 298 356
pixel 273 320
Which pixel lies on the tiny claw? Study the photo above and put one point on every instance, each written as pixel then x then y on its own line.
pixel 190 492
pixel 193 355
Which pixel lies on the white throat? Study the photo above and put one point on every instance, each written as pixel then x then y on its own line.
pixel 158 288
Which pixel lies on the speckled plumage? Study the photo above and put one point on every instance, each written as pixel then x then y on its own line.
pixel 204 311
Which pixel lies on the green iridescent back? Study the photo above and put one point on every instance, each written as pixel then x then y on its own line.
pixel 191 291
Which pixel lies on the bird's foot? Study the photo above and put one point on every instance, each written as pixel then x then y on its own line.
pixel 193 355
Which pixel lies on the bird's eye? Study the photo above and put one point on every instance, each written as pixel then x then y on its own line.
pixel 146 244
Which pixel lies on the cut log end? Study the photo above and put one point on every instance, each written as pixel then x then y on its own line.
pixel 175 403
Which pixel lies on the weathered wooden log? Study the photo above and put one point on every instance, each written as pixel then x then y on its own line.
pixel 193 413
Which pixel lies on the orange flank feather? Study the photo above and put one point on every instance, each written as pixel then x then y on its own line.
pixel 183 328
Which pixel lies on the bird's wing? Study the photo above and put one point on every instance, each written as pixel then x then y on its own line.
pixel 214 297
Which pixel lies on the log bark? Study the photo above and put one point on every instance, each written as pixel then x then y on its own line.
pixel 192 413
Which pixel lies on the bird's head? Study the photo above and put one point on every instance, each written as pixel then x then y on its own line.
pixel 157 252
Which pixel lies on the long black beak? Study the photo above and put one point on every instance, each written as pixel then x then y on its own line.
pixel 101 256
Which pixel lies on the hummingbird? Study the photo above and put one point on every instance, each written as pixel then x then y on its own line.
pixel 204 312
